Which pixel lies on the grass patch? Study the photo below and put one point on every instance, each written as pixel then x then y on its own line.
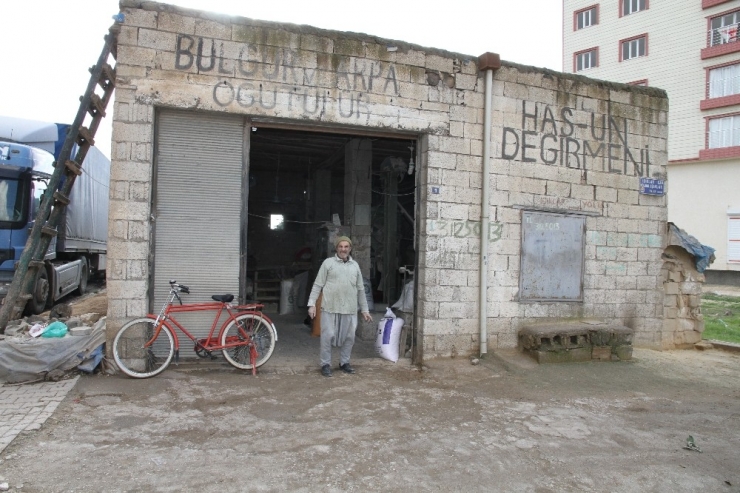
pixel 721 317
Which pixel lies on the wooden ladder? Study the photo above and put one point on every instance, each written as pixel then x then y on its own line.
pixel 56 198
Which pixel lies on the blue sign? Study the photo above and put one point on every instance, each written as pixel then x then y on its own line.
pixel 652 186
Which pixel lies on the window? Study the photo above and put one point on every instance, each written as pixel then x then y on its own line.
pixel 641 82
pixel 633 48
pixel 632 6
pixel 11 198
pixel 586 59
pixel 277 221
pixel 724 132
pixel 724 81
pixel 724 28
pixel 586 18
pixel 733 236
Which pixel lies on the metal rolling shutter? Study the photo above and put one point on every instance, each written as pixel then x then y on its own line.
pixel 197 211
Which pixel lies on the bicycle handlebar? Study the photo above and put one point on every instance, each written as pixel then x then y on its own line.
pixel 179 287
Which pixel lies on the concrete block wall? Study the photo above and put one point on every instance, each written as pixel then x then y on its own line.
pixel 171 57
pixel 559 143
pixel 683 321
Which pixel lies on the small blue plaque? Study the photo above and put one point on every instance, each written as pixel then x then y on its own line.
pixel 652 186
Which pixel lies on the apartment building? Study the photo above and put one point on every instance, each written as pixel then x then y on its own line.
pixel 690 48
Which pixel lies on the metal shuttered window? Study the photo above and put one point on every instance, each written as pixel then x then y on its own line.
pixel 197 208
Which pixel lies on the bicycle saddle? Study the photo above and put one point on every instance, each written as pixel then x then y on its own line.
pixel 224 298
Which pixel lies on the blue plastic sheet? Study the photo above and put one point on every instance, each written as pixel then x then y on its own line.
pixel 703 254
pixel 91 360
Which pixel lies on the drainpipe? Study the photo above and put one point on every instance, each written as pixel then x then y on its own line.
pixel 490 62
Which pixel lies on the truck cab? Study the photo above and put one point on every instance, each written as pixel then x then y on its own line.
pixel 24 176
pixel 28 150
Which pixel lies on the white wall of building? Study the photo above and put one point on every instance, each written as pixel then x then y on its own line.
pixel 708 212
pixel 699 192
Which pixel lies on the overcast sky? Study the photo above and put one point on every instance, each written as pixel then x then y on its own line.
pixel 47 46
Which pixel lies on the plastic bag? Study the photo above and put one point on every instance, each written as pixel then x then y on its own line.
pixel 287 303
pixel 406 302
pixel 368 294
pixel 388 336
pixel 37 330
pixel 55 329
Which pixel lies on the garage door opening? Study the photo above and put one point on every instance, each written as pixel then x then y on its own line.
pixel 305 185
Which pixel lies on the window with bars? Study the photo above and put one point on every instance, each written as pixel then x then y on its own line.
pixel 586 59
pixel 634 48
pixel 724 132
pixel 632 6
pixel 724 28
pixel 724 81
pixel 586 18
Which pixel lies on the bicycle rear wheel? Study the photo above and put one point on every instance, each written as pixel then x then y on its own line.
pixel 138 353
pixel 243 329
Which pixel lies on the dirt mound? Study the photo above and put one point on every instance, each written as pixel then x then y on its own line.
pixel 93 303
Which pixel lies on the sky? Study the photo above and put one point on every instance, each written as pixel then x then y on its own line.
pixel 47 46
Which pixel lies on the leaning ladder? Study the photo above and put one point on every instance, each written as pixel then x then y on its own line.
pixel 42 232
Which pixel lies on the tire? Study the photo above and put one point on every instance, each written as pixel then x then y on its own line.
pixel 259 329
pixel 136 360
pixel 84 275
pixel 40 296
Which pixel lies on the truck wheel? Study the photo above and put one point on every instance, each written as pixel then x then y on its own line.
pixel 84 273
pixel 39 295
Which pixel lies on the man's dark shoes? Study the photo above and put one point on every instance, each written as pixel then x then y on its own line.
pixel 326 370
pixel 346 368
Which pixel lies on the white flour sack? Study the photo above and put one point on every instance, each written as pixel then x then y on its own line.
pixel 387 338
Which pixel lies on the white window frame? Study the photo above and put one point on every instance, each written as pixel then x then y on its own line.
pixel 724 132
pixel 586 60
pixel 733 236
pixel 724 81
pixel 634 48
pixel 586 18
pixel 723 28
pixel 633 6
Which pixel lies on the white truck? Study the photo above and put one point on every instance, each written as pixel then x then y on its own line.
pixel 28 150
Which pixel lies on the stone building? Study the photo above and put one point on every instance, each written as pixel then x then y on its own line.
pixel 241 147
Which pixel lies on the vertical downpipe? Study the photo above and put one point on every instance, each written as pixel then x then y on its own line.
pixel 490 62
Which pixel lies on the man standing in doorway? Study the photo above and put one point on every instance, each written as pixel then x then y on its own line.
pixel 340 281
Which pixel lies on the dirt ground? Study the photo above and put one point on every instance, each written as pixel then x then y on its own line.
pixel 507 424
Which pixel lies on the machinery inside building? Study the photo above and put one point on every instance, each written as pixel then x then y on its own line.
pixel 303 184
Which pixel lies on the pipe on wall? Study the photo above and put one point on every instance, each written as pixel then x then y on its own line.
pixel 489 62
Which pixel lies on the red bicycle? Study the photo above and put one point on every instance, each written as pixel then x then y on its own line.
pixel 144 347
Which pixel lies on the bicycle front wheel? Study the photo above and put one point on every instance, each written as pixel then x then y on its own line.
pixel 141 352
pixel 243 330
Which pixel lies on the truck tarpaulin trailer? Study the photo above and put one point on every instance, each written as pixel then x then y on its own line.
pixel 28 150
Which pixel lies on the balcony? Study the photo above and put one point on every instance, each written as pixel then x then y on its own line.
pixel 721 41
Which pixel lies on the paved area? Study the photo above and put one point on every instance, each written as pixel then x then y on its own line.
pixel 27 407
